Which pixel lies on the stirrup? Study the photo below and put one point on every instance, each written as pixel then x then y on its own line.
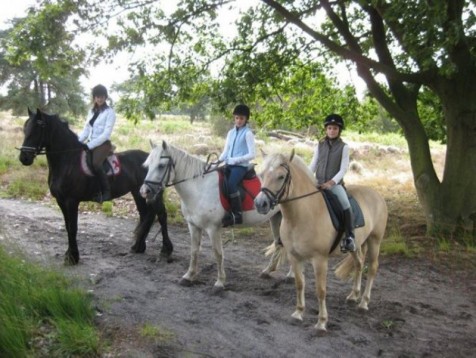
pixel 348 245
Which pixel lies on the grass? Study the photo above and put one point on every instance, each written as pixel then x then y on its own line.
pixel 42 313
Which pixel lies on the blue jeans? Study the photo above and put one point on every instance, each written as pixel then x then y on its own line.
pixel 236 173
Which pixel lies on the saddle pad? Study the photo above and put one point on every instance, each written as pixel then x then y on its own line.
pixel 335 210
pixel 251 189
pixel 112 164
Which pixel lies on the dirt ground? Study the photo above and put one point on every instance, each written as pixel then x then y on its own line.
pixel 418 308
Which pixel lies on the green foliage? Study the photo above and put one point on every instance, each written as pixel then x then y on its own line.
pixel 36 303
pixel 39 63
pixel 107 208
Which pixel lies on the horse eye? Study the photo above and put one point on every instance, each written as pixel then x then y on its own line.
pixel 281 177
pixel 161 166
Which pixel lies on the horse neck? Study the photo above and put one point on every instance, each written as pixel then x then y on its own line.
pixel 62 144
pixel 303 208
pixel 188 173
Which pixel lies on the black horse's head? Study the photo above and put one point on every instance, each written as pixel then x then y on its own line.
pixel 34 131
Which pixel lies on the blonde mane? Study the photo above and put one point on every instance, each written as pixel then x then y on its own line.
pixel 273 161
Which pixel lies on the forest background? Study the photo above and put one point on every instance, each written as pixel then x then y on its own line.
pixel 416 59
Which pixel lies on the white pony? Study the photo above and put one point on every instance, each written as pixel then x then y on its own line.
pixel 200 201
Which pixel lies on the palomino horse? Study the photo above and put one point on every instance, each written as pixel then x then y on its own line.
pixel 200 201
pixel 307 232
pixel 69 184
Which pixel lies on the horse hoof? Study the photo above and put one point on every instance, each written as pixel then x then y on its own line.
pixel 218 290
pixel 71 261
pixel 186 283
pixel 137 250
pixel 265 275
pixel 297 315
pixel 321 331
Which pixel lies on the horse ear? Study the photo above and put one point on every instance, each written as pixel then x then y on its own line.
pixel 30 113
pixel 292 155
pixel 164 145
pixel 152 144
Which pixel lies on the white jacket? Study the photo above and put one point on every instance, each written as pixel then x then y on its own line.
pixel 101 131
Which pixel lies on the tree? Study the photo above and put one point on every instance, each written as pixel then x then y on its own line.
pixel 408 52
pixel 40 67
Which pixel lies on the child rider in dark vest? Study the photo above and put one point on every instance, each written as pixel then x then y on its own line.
pixel 330 163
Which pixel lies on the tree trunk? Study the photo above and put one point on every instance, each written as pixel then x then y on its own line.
pixel 450 205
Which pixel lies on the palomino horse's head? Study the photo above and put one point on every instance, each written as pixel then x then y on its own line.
pixel 275 179
pixel 34 141
pixel 160 170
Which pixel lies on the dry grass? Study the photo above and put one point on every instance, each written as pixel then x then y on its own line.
pixel 384 167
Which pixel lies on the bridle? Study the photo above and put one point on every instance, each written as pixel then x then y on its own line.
pixel 155 186
pixel 277 198
pixel 40 147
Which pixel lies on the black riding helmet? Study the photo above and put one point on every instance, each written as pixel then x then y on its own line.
pixel 334 119
pixel 100 90
pixel 242 110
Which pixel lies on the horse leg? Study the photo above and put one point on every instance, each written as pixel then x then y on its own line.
pixel 195 240
pixel 70 214
pixel 320 265
pixel 146 220
pixel 275 223
pixel 358 260
pixel 373 244
pixel 215 236
pixel 167 246
pixel 297 267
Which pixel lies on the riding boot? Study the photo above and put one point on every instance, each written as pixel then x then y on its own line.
pixel 105 187
pixel 348 242
pixel 236 215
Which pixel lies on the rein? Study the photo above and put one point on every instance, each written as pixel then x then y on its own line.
pixel 154 186
pixel 276 198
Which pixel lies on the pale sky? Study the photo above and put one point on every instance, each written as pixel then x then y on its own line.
pixel 107 74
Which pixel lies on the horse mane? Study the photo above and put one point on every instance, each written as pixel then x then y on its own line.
pixel 63 124
pixel 187 164
pixel 277 159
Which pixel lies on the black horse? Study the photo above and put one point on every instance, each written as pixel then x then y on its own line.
pixel 69 183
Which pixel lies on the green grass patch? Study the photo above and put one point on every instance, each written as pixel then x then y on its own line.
pixel 395 244
pixel 157 333
pixel 25 185
pixel 106 207
pixel 41 311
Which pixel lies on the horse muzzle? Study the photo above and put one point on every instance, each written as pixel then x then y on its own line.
pixel 27 158
pixel 150 191
pixel 262 203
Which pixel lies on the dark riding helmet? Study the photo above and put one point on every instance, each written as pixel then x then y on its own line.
pixel 334 119
pixel 242 110
pixel 99 91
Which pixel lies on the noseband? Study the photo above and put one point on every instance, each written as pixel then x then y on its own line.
pixel 156 186
pixel 40 147
pixel 275 198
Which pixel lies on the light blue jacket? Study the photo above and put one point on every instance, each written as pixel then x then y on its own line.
pixel 239 147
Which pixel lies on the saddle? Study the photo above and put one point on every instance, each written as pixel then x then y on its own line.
pixel 112 165
pixel 336 212
pixel 248 188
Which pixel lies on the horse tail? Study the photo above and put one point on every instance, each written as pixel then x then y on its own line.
pixel 345 269
pixel 277 253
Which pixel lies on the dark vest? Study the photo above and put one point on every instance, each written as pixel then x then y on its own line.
pixel 330 157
